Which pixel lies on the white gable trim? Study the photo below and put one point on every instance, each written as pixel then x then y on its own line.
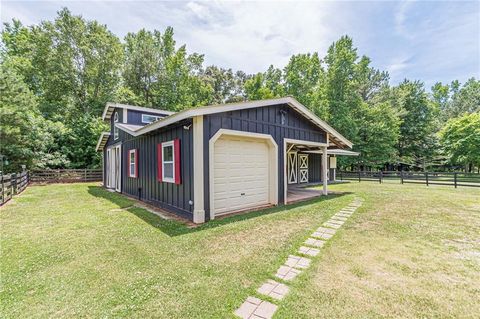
pixel 107 112
pixel 243 105
pixel 102 140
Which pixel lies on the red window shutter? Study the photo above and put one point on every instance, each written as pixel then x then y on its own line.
pixel 136 163
pixel 159 162
pixel 176 150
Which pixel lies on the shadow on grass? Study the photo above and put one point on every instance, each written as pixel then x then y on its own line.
pixel 176 228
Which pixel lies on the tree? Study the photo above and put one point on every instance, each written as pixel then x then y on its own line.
pixel 417 141
pixel 460 139
pixel 301 76
pixel 25 135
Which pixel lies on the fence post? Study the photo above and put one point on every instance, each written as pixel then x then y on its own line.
pixel 13 182
pixel 85 175
pixel 359 177
pixel 426 177
pixel 380 176
pixel 401 176
pixel 3 189
pixel 455 179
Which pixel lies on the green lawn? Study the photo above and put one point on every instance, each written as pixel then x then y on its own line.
pixel 76 250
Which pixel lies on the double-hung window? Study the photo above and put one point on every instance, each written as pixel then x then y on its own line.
pixel 168 161
pixel 133 163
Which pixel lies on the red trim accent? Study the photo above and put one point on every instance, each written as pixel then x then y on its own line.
pixel 159 162
pixel 176 149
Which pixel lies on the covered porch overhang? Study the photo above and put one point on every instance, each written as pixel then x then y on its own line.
pixel 298 165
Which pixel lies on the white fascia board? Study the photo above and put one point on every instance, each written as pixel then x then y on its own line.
pixel 110 106
pixel 206 110
pixel 100 140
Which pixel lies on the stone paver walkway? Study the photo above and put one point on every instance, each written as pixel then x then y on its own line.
pixel 255 308
pixel 273 289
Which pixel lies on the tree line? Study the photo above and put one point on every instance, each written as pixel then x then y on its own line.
pixel 56 77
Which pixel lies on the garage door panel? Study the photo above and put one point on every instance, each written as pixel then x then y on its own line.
pixel 241 174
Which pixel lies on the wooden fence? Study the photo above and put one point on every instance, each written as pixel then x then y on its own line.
pixel 12 184
pixel 66 175
pixel 428 178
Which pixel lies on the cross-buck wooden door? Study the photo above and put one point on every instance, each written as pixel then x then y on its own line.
pixel 292 168
pixel 303 167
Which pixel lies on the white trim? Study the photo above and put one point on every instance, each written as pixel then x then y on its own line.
pixel 134 152
pixel 303 168
pixel 110 106
pixel 114 153
pixel 198 171
pixel 273 179
pixel 292 167
pixel 324 171
pixel 148 122
pixel 102 140
pixel 243 105
pixel 125 116
pixel 115 128
pixel 168 179
pixel 308 143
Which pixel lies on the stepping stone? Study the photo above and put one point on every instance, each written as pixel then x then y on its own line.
pixel 340 218
pixel 256 308
pixel 336 226
pixel 338 222
pixel 273 289
pixel 287 273
pixel 308 251
pixel 315 242
pixel 343 215
pixel 297 262
pixel 322 235
pixel 326 230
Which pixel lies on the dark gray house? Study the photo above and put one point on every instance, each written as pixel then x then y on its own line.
pixel 214 160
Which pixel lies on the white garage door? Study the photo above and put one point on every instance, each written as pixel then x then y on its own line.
pixel 241 174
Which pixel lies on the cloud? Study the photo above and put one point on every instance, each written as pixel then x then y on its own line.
pixel 422 40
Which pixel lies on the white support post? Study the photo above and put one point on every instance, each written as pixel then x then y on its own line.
pixel 324 169
pixel 198 171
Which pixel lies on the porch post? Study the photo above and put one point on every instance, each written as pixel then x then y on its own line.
pixel 198 171
pixel 324 169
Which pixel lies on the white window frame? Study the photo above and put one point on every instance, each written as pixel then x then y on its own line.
pixel 132 164
pixel 148 122
pixel 164 178
pixel 115 129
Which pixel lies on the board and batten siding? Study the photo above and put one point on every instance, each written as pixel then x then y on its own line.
pixel 170 196
pixel 264 120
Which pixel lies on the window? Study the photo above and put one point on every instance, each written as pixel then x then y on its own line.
pixel 115 129
pixel 146 118
pixel 168 161
pixel 132 163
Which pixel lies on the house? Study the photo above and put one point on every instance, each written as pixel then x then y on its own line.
pixel 205 162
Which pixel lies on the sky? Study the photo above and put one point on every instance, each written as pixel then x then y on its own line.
pixel 431 41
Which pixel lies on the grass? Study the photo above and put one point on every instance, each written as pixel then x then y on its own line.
pixel 76 250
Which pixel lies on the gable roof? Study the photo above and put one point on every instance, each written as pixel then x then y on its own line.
pixel 334 136
pixel 110 107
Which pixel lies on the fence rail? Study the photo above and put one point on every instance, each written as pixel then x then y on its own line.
pixel 428 178
pixel 12 184
pixel 66 175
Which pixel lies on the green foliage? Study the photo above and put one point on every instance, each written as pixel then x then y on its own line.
pixel 65 71
pixel 460 139
pixel 417 140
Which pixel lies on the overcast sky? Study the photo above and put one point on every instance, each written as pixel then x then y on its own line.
pixel 425 40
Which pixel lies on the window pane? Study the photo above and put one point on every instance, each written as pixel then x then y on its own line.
pixel 168 153
pixel 132 157
pixel 132 169
pixel 168 170
pixel 149 118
